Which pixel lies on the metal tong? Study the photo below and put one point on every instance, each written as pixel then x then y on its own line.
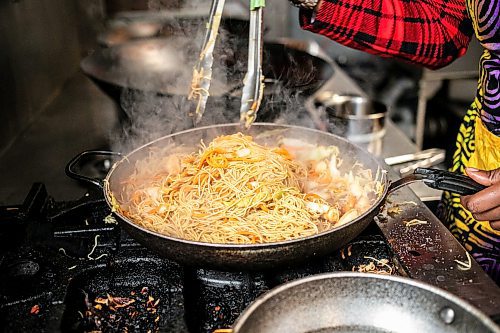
pixel 253 83
pixel 422 159
pixel 440 180
pixel 202 71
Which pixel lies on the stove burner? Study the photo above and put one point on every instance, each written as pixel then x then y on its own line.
pixel 138 310
pixel 65 255
pixel 215 299
pixel 162 279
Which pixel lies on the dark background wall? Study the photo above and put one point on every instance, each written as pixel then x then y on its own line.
pixel 39 51
pixel 43 41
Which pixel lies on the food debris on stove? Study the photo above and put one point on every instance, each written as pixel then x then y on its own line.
pixel 396 208
pixel 408 203
pixel 376 266
pixel 349 252
pixel 110 219
pixel 89 255
pixel 464 266
pixel 414 222
pixel 35 309
pixel 393 211
pixel 137 312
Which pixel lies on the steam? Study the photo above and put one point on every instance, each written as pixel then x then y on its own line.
pixel 158 5
pixel 155 104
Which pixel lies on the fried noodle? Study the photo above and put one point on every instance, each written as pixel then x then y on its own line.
pixel 237 191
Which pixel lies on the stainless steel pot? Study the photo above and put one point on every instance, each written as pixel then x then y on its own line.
pixel 357 118
pixel 361 302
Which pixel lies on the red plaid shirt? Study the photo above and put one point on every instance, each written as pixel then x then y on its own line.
pixel 428 32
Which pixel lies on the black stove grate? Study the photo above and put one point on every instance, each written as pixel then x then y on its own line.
pixel 62 256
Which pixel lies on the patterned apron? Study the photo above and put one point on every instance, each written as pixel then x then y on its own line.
pixel 477 147
pixel 478 142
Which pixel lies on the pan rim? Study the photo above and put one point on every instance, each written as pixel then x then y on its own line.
pixel 228 246
pixel 245 315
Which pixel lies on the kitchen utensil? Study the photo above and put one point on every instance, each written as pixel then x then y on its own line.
pixel 202 71
pixel 361 302
pixel 253 89
pixel 422 159
pixel 162 68
pixel 266 255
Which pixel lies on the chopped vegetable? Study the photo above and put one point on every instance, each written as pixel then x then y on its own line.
pixel 35 309
pixel 375 266
pixel 393 211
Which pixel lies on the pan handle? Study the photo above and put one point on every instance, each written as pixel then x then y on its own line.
pixel 440 180
pixel 449 181
pixel 70 167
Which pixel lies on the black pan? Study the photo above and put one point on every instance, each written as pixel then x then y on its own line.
pixel 164 65
pixel 268 255
pixel 361 302
pixel 162 69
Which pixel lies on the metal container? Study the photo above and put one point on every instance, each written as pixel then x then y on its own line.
pixel 357 118
pixel 361 302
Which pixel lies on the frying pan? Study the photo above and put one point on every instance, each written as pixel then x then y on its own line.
pixel 360 302
pixel 149 26
pixel 162 68
pixel 267 255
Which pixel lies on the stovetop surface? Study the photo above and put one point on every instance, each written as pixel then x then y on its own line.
pixel 67 266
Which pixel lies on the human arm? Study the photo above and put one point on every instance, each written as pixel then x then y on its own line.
pixel 428 32
pixel 485 205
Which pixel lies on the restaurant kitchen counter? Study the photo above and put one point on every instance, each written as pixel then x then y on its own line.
pixel 427 250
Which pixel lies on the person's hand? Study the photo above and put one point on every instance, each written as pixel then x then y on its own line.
pixel 485 204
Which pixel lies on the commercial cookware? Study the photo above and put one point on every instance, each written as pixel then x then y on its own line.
pixel 267 255
pixel 361 302
pixel 358 118
pixel 163 67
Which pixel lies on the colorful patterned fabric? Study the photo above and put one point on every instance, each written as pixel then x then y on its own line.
pixel 489 86
pixel 482 242
pixel 434 33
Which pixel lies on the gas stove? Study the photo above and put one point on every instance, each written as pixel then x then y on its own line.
pixel 67 266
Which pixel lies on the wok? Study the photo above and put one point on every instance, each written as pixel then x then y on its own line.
pixel 256 256
pixel 162 67
pixel 149 26
pixel 360 302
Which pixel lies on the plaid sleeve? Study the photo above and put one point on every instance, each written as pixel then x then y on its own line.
pixel 428 32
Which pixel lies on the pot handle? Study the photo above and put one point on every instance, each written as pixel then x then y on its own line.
pixel 440 180
pixel 70 167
